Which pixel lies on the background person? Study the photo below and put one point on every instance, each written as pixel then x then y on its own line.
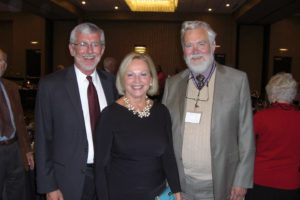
pixel 277 132
pixel 133 140
pixel 15 149
pixel 110 65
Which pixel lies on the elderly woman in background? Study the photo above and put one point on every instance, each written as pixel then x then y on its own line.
pixel 277 130
pixel 133 141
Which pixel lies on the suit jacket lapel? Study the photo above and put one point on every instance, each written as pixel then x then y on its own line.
pixel 72 89
pixel 217 107
pixel 182 90
pixel 106 87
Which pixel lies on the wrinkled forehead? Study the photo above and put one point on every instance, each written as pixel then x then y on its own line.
pixel 196 35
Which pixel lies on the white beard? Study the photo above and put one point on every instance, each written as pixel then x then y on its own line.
pixel 200 68
pixel 86 67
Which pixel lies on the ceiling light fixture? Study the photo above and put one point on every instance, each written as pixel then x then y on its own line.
pixel 116 7
pixel 209 10
pixel 152 5
pixel 218 46
pixel 83 2
pixel 227 5
pixel 140 48
pixel 283 49
pixel 34 42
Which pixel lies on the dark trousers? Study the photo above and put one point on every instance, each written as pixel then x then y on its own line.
pixel 267 193
pixel 89 189
pixel 12 173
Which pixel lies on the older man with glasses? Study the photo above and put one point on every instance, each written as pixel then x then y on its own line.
pixel 69 102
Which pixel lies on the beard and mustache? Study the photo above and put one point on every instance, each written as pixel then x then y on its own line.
pixel 203 65
pixel 87 56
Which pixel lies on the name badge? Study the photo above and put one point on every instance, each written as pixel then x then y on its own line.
pixel 193 117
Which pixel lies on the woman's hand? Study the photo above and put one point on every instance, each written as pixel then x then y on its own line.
pixel 178 196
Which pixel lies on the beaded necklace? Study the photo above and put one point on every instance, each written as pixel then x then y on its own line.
pixel 141 114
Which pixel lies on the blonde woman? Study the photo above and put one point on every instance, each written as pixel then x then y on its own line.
pixel 133 141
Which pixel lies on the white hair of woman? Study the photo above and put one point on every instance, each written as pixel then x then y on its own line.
pixel 281 88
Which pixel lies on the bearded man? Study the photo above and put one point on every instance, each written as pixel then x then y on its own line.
pixel 68 105
pixel 212 123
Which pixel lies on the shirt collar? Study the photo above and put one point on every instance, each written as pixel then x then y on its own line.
pixel 82 77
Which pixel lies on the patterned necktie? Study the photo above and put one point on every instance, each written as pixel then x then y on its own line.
pixel 200 81
pixel 94 107
pixel 6 127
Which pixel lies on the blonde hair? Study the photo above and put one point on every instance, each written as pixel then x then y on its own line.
pixel 125 64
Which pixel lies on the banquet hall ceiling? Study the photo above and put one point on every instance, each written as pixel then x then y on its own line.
pixel 244 11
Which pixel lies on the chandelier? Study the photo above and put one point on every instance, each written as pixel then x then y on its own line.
pixel 152 5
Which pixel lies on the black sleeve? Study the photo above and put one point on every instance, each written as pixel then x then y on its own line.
pixel 103 138
pixel 169 161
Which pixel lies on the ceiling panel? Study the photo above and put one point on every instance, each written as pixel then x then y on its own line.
pixel 245 11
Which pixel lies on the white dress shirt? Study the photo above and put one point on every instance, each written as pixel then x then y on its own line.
pixel 83 84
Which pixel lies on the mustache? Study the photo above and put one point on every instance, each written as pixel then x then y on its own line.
pixel 89 55
pixel 196 56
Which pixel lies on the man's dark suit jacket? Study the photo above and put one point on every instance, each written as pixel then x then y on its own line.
pixel 15 102
pixel 60 138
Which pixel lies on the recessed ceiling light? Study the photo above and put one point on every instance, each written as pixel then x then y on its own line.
pixel 83 2
pixel 209 10
pixel 218 46
pixel 116 7
pixel 227 5
pixel 34 42
pixel 283 49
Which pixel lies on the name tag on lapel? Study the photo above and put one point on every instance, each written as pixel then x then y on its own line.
pixel 193 117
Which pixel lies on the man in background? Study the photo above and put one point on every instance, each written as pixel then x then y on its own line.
pixel 212 123
pixel 110 65
pixel 68 105
pixel 15 149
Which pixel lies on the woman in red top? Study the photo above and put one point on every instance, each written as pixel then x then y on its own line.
pixel 277 131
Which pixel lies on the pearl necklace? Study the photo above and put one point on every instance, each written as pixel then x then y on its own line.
pixel 144 113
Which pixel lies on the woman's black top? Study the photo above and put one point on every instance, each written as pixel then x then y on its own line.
pixel 134 156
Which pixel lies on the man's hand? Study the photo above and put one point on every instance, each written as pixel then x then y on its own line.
pixel 55 195
pixel 30 160
pixel 237 193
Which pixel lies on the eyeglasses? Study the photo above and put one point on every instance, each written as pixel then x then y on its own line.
pixel 85 45
pixel 199 98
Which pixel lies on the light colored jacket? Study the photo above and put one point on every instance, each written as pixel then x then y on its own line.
pixel 232 138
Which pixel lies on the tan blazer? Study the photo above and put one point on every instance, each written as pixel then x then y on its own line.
pixel 23 138
pixel 232 138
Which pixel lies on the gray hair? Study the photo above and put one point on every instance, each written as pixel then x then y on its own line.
pixel 125 64
pixel 191 25
pixel 87 28
pixel 282 86
pixel 4 55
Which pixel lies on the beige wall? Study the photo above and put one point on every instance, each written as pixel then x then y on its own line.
pixel 286 34
pixel 25 28
pixel 61 34
pixel 250 54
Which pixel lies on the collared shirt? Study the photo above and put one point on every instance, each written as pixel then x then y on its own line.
pixel 83 84
pixel 4 138
pixel 207 74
